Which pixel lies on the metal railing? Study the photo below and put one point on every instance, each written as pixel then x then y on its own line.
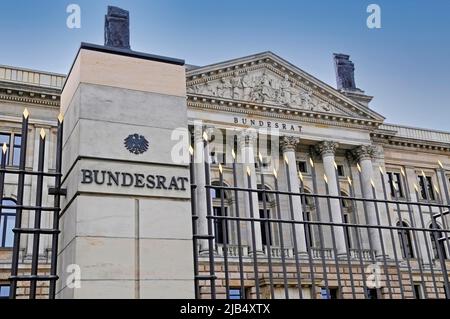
pixel 386 260
pixel 34 276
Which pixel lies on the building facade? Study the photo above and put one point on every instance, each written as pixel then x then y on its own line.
pixel 263 124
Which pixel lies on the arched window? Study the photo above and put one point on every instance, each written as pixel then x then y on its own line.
pixel 267 233
pixel 7 222
pixel 435 244
pixel 405 241
pixel 220 225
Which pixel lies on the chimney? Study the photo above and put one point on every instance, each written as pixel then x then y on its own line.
pixel 117 28
pixel 345 72
pixel 345 79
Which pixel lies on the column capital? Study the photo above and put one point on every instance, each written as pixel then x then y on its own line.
pixel 289 143
pixel 247 138
pixel 326 148
pixel 364 152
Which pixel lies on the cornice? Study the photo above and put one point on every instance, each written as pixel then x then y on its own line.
pixel 230 106
pixel 44 97
pixel 28 100
pixel 410 144
pixel 33 121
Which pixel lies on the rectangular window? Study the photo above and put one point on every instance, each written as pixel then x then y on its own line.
pixel 340 170
pixel 308 230
pixel 448 187
pixel 302 167
pixel 13 153
pixel 7 222
pixel 234 293
pixel 220 226
pixel 4 291
pixel 426 188
pixel 418 291
pixel 5 139
pixel 264 145
pixel 372 293
pixel 395 185
pixel 16 150
pixel 266 237
pixel 347 233
pixel 191 135
pixel 332 293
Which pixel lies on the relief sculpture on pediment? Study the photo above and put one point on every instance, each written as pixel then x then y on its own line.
pixel 286 91
pixel 263 87
pixel 236 84
pixel 224 88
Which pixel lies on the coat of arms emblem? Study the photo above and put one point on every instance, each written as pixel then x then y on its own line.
pixel 136 144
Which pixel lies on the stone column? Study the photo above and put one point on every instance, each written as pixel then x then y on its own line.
pixel 363 155
pixel 444 184
pixel 327 150
pixel 126 220
pixel 200 152
pixel 288 145
pixel 247 141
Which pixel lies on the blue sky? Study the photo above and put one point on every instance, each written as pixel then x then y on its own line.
pixel 405 64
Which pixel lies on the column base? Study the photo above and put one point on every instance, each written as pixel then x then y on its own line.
pixel 381 257
pixel 302 255
pixel 258 253
pixel 342 255
pixel 204 252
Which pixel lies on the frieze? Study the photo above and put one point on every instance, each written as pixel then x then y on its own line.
pixel 279 113
pixel 268 124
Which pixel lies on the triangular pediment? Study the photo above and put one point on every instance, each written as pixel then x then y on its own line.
pixel 269 80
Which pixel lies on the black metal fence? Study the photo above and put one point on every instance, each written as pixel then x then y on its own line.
pixel 32 273
pixel 383 260
pixel 313 256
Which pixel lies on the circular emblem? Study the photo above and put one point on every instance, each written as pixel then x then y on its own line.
pixel 136 144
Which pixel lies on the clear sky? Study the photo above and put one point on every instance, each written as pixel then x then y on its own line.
pixel 405 64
